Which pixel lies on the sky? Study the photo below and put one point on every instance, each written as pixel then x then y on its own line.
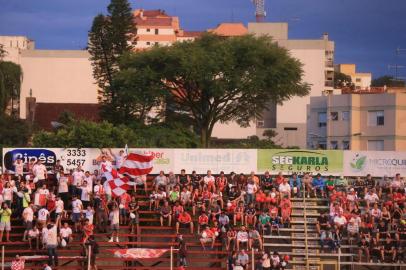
pixel 366 32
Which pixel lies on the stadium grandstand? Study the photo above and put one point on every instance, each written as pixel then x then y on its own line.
pixel 123 217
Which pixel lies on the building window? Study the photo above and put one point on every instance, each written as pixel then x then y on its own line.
pixel 334 116
pixel 358 80
pixel 260 123
pixel 156 43
pixel 148 30
pixel 334 145
pixel 148 43
pixel 346 145
pixel 375 145
pixel 376 118
pixel 322 119
pixel 156 31
pixel 345 115
pixel 290 128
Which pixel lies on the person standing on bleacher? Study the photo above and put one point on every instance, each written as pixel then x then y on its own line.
pixel 51 244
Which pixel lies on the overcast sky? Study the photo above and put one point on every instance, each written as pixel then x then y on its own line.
pixel 366 32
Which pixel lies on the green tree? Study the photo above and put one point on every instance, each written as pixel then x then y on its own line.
pixel 342 80
pixel 121 26
pixel 215 79
pixel 81 133
pixel 2 52
pixel 109 38
pixel 14 132
pixel 10 84
pixel 101 52
pixel 388 81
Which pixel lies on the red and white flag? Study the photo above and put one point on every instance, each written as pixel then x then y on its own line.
pixel 119 184
pixel 139 253
pixel 137 164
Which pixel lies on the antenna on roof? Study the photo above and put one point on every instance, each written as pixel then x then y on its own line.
pixel 260 12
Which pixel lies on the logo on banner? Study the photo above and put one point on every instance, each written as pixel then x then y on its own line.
pixel 47 157
pixel 358 162
pixel 300 161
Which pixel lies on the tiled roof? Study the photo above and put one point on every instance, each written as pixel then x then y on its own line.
pixel 230 29
pixel 47 112
pixel 154 13
pixel 191 34
pixel 153 21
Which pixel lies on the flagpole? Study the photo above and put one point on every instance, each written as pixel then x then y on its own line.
pixel 171 262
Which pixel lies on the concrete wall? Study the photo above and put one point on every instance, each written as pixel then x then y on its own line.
pixel 57 77
pixel 232 130
pixel 278 31
pixel 294 110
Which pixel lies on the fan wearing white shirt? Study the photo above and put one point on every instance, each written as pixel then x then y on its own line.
pixel 66 233
pixel 19 167
pixel 28 217
pixel 85 194
pixel 77 207
pixel 63 187
pixel 43 215
pixel 40 174
pixel 59 210
pixel 118 159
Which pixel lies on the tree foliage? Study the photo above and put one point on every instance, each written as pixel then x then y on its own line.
pixel 2 52
pixel 10 83
pixel 110 37
pixel 342 80
pixel 388 81
pixel 14 132
pixel 81 133
pixel 215 79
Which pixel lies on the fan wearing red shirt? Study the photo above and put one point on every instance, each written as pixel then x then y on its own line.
pixel 87 230
pixel 125 199
pixel 239 214
pixel 185 220
pixel 203 221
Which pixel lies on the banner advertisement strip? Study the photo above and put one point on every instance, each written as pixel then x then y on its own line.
pixel 376 163
pixel 290 161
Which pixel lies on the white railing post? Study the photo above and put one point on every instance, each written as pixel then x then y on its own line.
pixel 171 262
pixel 253 259
pixel 2 257
pixel 89 254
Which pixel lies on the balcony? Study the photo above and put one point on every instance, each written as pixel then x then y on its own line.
pixel 329 84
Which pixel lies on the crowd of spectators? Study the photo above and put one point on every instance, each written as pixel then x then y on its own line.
pixel 233 211
pixel 371 214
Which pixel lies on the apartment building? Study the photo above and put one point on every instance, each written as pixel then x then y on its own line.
pixel 317 57
pixel 370 119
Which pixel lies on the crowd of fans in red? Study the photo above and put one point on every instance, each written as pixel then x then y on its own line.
pixel 234 210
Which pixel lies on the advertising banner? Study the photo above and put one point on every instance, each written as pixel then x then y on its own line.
pixel 87 158
pixel 376 163
pixel 216 160
pixel 289 161
pixel 200 160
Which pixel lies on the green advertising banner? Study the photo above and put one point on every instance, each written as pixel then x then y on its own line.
pixel 289 161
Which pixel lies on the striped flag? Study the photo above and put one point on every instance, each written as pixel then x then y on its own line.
pixel 138 253
pixel 137 164
pixel 119 184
